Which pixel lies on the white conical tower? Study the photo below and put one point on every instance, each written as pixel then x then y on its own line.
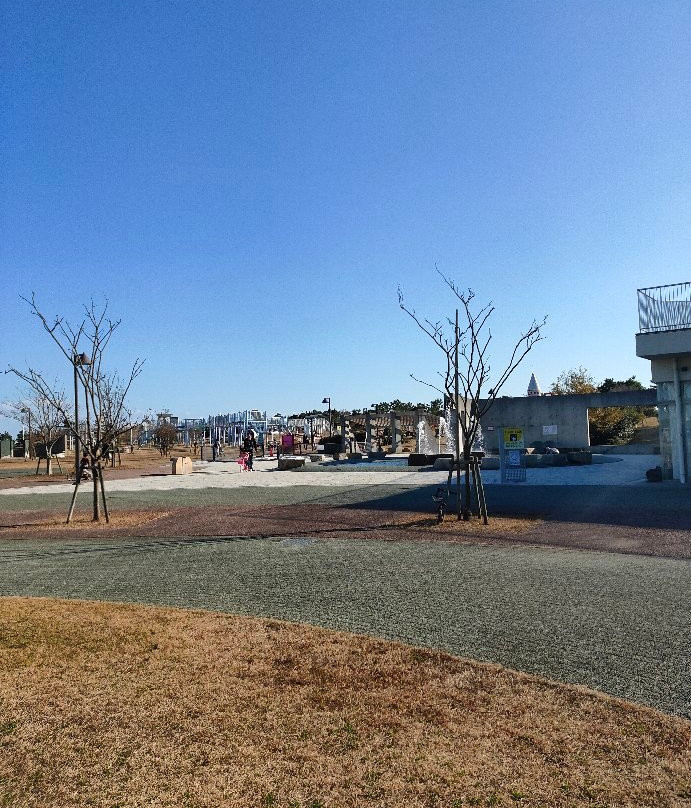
pixel 533 386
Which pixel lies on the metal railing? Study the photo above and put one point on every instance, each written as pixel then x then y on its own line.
pixel 664 308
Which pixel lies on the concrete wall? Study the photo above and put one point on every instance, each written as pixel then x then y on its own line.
pixel 670 355
pixel 662 370
pixel 568 413
pixel 656 344
pixel 675 424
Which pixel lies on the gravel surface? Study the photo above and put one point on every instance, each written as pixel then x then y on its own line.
pixel 324 520
pixel 664 507
pixel 616 623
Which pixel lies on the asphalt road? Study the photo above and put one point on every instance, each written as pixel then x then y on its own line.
pixel 616 623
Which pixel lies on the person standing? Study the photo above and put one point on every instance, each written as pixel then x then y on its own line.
pixel 248 447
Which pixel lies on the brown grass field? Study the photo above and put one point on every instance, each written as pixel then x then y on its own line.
pixel 140 460
pixel 292 520
pixel 117 705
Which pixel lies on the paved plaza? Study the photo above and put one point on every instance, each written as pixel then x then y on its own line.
pixel 628 470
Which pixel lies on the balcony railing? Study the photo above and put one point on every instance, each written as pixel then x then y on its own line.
pixel 664 308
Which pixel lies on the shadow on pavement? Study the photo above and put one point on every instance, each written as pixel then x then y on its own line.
pixel 657 506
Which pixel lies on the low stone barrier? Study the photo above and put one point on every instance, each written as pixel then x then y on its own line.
pixel 418 459
pixel 486 463
pixel 536 461
pixel 181 465
pixel 627 449
pixel 288 463
pixel 580 458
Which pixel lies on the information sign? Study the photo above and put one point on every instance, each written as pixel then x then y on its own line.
pixel 513 457
pixel 513 438
pixel 511 460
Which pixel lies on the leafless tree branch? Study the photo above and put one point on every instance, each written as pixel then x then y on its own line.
pixel 106 416
pixel 473 372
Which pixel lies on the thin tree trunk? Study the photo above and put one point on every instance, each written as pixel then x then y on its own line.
pixel 74 496
pixel 94 477
pixel 103 494
pixel 467 509
pixel 457 429
pixel 480 491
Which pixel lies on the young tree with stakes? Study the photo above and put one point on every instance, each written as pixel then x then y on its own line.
pixel 44 420
pixel 106 416
pixel 468 372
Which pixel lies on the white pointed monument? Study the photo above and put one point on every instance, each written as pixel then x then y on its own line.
pixel 533 386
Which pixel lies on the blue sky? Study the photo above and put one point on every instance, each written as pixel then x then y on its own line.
pixel 248 183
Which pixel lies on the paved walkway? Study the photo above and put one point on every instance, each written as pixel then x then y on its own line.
pixel 620 470
pixel 615 623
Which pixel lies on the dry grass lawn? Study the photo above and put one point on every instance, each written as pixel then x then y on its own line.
pixel 452 525
pixel 117 705
pixel 140 458
pixel 29 525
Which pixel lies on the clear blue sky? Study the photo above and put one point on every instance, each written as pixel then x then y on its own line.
pixel 248 183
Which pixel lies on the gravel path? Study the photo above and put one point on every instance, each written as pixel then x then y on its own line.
pixel 615 623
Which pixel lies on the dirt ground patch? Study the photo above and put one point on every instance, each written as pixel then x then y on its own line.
pixel 341 522
pixel 252 521
pixel 17 473
pixel 40 524
pixel 109 705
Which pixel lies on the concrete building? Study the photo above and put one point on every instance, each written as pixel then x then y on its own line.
pixel 560 421
pixel 664 314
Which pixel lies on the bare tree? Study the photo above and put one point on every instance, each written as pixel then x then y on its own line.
pixel 104 392
pixel 44 420
pixel 166 435
pixel 468 371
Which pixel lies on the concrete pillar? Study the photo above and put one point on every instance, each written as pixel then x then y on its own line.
pixel 344 443
pixel 418 418
pixel 679 419
pixel 368 432
pixel 395 429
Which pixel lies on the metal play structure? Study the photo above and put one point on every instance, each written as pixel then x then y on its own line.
pixel 358 431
